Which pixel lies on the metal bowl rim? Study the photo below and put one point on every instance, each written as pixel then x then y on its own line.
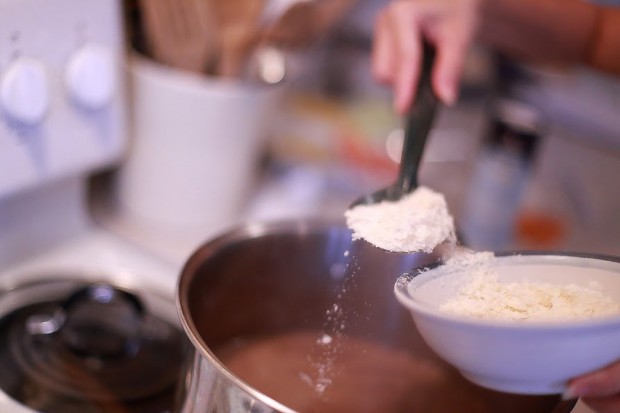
pixel 242 232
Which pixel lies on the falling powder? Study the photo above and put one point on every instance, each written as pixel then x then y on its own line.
pixel 325 339
pixel 417 222
pixel 329 347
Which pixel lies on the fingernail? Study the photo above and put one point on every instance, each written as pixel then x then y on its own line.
pixel 448 94
pixel 395 106
pixel 400 105
pixel 570 393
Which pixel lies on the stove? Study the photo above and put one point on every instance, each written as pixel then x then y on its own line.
pixel 84 314
pixel 74 297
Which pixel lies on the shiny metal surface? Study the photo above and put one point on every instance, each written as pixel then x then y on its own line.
pixel 74 344
pixel 264 280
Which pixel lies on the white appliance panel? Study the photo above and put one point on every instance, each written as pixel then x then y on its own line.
pixel 62 109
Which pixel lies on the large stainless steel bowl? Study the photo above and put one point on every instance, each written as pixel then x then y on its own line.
pixel 296 316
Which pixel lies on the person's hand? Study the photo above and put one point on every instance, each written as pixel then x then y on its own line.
pixel 600 390
pixel 306 22
pixel 448 25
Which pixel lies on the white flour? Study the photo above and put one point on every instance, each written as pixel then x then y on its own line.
pixel 459 258
pixel 421 221
pixel 417 222
pixel 483 296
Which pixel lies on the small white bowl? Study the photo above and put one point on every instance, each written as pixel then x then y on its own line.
pixel 523 357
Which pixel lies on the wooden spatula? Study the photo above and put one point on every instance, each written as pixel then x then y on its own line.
pixel 237 32
pixel 180 32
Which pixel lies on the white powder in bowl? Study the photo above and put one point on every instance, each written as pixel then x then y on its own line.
pixel 484 296
pixel 417 222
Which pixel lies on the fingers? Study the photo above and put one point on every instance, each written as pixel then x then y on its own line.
pixel 603 404
pixel 451 53
pixel 603 382
pixel 600 389
pixel 383 64
pixel 397 52
pixel 409 53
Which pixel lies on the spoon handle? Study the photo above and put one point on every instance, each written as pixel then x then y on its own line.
pixel 418 122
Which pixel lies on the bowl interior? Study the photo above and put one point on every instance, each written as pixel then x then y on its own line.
pixel 250 298
pixel 432 288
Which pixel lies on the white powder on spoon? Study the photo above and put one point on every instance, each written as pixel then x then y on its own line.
pixel 419 221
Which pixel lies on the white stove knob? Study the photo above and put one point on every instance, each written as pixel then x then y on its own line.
pixel 91 76
pixel 24 91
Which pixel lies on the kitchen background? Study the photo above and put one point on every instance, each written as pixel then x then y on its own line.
pixel 126 142
pixel 302 129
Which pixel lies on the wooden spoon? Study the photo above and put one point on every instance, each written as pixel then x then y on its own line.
pixel 237 32
pixel 180 32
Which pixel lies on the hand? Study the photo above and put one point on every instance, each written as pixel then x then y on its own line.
pixel 600 390
pixel 306 22
pixel 449 25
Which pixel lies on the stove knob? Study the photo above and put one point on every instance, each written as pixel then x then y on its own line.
pixel 24 91
pixel 90 76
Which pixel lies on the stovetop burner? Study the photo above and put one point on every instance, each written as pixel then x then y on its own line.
pixel 94 348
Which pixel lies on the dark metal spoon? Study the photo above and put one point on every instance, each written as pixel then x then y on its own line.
pixel 418 123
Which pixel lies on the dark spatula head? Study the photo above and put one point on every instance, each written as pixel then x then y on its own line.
pixel 418 123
